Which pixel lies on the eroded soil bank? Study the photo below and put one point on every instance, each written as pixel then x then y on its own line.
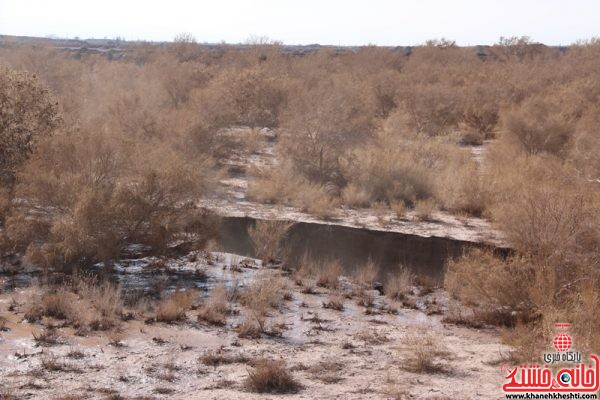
pixel 353 247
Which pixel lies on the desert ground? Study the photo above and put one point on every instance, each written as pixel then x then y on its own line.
pixel 338 340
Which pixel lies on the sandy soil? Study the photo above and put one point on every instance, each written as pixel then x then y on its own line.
pixel 334 354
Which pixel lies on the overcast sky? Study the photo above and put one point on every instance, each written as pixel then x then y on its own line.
pixel 337 22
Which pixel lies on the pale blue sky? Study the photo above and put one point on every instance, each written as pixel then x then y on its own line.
pixel 337 22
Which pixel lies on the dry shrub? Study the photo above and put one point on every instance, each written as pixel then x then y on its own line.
pixel 462 189
pixel 57 303
pixel 50 362
pixel 399 284
pixel 328 371
pixel 314 199
pixel 553 229
pixel 388 174
pixel 220 357
pixel 539 126
pixel 214 312
pixel 524 340
pixel 399 168
pixel 399 209
pixel 365 276
pixel 251 327
pixel 263 294
pixel 267 236
pixel 328 274
pixel 175 306
pixel 272 185
pixel 270 376
pixel 281 184
pixel 27 111
pixel 335 301
pixel 355 196
pixel 548 221
pixel 425 351
pixel 372 337
pixel 324 120
pixel 248 97
pixel 21 230
pixel 306 268
pixel 88 304
pixel 102 304
pixel 47 337
pixel 212 316
pixel 259 298
pixel 424 209
pixel 586 141
pixel 366 298
pixel 106 194
pixel 480 277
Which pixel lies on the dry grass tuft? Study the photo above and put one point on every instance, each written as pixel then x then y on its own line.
pixel 399 209
pixel 214 312
pixel 252 327
pixel 271 376
pixel 399 284
pixel 425 350
pixel 365 276
pixel 424 209
pixel 327 371
pixel 264 294
pixel 366 298
pixel 220 357
pixel 372 337
pixel 174 308
pixel 328 275
pixel 50 362
pixel 48 337
pixel 335 301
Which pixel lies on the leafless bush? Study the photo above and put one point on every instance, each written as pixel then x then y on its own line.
pixel 27 111
pixel 101 203
pixel 267 236
pixel 539 126
pixel 321 122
